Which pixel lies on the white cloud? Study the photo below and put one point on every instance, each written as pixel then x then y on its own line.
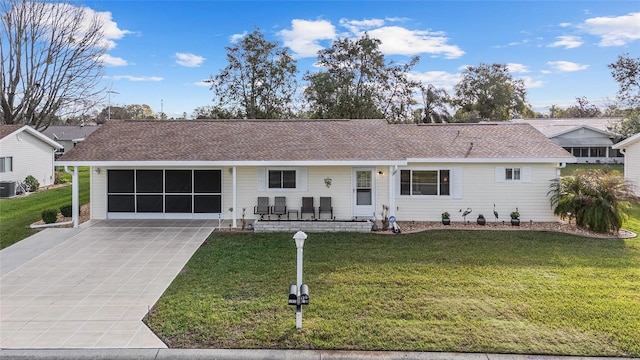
pixel 530 82
pixel 189 60
pixel 237 37
pixel 109 27
pixel 82 25
pixel 112 61
pixel 402 41
pixel 304 36
pixel 138 78
pixel 358 26
pixel 567 41
pixel 439 79
pixel 564 24
pixel 614 31
pixel 517 68
pixel 566 66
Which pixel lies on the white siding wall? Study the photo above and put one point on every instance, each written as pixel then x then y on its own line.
pixel 248 193
pixel 632 164
pixel 31 156
pixel 480 191
pixel 98 193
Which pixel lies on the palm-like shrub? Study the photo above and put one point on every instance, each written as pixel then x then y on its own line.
pixel 598 200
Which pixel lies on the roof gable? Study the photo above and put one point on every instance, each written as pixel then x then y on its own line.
pixel 8 130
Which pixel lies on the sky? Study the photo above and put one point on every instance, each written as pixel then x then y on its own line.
pixel 161 51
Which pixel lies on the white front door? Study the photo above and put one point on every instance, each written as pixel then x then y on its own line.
pixel 363 192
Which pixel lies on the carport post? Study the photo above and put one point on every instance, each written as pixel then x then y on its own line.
pixel 235 205
pixel 75 198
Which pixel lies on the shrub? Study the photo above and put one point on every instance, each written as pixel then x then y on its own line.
pixel 66 210
pixel 49 216
pixel 598 200
pixel 32 183
pixel 59 178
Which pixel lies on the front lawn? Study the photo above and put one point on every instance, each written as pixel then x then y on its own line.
pixel 462 291
pixel 16 214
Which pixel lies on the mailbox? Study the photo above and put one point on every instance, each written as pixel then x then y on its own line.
pixel 293 295
pixel 304 294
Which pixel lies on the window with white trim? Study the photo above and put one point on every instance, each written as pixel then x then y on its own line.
pixel 425 182
pixel 6 164
pixel 512 174
pixel 282 179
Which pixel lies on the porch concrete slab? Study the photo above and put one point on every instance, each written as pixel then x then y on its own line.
pixel 90 287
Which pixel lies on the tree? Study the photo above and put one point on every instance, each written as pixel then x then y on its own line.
pixel 213 112
pixel 597 199
pixel 582 109
pixel 259 81
pixel 626 72
pixel 126 112
pixel 50 61
pixel 489 92
pixel 356 82
pixel 435 105
pixel 630 123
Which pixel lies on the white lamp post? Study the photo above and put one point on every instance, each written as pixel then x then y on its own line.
pixel 299 237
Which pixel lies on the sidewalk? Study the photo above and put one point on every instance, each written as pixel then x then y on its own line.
pixel 234 354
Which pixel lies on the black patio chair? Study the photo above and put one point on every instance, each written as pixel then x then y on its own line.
pixel 325 207
pixel 307 207
pixel 263 206
pixel 280 206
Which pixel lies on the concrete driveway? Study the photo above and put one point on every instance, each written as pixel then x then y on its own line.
pixel 90 287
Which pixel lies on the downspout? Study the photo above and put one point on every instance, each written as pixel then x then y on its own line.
pixel 235 198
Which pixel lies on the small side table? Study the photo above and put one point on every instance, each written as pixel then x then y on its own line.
pixel 289 212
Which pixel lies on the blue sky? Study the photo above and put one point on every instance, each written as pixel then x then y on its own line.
pixel 160 51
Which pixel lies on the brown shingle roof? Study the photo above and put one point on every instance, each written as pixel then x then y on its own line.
pixel 237 140
pixel 308 140
pixel 8 129
pixel 479 141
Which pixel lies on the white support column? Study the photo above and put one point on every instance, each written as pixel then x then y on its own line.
pixel 392 192
pixel 234 190
pixel 75 197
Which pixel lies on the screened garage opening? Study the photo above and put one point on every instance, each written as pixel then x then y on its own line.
pixel 164 194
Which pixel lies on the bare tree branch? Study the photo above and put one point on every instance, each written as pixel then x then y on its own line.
pixel 50 61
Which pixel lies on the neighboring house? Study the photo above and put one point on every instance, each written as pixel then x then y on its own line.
pixel 218 169
pixel 68 135
pixel 24 151
pixel 631 150
pixel 590 140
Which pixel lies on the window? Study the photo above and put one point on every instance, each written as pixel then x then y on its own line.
pixel 581 152
pixel 512 174
pixel 598 152
pixel 425 182
pixel 282 179
pixel 6 164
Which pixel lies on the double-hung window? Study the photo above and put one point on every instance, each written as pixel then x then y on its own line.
pixel 512 174
pixel 282 179
pixel 425 182
pixel 6 164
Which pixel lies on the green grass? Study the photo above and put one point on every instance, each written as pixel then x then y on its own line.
pixel 570 168
pixel 462 291
pixel 633 223
pixel 16 214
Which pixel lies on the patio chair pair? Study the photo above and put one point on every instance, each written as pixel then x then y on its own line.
pixel 263 208
pixel 309 208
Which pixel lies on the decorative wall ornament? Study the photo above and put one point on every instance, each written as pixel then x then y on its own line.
pixel 327 182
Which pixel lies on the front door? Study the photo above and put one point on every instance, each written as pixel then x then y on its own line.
pixel 363 192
